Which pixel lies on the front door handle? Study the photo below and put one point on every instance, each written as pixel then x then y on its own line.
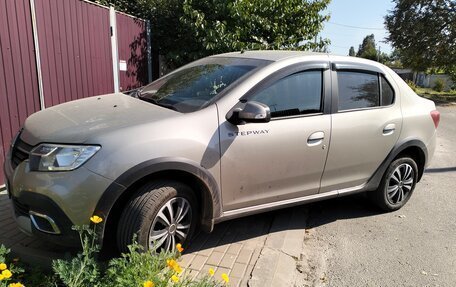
pixel 315 139
pixel 389 129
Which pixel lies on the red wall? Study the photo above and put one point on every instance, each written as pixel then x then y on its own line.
pixel 18 76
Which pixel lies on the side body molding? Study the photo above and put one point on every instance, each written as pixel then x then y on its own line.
pixel 210 195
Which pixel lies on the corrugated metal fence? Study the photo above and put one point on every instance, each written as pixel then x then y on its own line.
pixel 54 51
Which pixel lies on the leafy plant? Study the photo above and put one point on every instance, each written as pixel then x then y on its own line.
pixel 424 32
pixel 8 269
pixel 412 85
pixel 439 85
pixel 83 270
pixel 137 267
pixel 186 30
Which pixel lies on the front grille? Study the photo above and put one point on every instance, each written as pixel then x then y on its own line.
pixel 19 208
pixel 21 152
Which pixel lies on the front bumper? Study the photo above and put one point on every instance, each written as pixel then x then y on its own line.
pixel 48 204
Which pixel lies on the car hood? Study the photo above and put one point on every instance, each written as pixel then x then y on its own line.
pixel 78 121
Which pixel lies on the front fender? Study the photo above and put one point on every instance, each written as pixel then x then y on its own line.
pixel 211 193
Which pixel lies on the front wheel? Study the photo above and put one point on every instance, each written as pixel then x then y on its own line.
pixel 397 185
pixel 160 214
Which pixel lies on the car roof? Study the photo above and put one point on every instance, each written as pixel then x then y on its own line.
pixel 344 62
pixel 270 55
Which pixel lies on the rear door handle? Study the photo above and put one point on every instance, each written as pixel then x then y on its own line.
pixel 315 139
pixel 389 129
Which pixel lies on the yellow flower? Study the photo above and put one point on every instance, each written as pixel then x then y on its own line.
pixel 2 277
pixel 149 284
pixel 16 285
pixel 171 263
pixel 175 279
pixel 179 247
pixel 7 274
pixel 96 219
pixel 3 266
pixel 211 272
pixel 225 278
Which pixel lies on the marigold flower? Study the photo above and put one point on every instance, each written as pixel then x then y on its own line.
pixel 148 283
pixel 179 247
pixel 177 269
pixel 15 285
pixel 175 279
pixel 96 219
pixel 7 274
pixel 211 272
pixel 172 263
pixel 3 266
pixel 2 277
pixel 225 278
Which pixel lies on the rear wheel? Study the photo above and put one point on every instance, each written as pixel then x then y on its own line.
pixel 160 214
pixel 397 185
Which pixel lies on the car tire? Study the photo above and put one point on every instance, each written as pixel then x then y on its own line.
pixel 165 211
pixel 397 185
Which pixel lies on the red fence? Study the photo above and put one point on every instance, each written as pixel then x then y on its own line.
pixel 73 41
pixel 132 43
pixel 18 77
pixel 75 50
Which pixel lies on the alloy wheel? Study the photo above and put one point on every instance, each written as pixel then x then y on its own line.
pixel 400 183
pixel 171 225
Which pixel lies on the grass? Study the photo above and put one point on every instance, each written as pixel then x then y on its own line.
pixel 445 97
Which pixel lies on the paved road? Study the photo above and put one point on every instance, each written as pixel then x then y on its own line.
pixel 352 244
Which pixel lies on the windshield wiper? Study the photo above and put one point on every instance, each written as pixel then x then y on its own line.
pixel 155 102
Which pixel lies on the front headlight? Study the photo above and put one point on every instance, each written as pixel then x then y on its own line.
pixel 53 157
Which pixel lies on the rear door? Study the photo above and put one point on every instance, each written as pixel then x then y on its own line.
pixel 366 123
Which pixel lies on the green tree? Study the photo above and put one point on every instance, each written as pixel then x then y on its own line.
pixel 352 52
pixel 171 38
pixel 424 33
pixel 185 30
pixel 367 49
pixel 230 25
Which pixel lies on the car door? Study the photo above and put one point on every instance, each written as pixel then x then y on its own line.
pixel 366 123
pixel 283 159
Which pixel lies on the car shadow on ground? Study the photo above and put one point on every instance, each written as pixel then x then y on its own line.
pixel 238 230
pixel 299 217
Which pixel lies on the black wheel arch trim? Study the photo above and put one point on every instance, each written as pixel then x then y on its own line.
pixel 150 167
pixel 376 178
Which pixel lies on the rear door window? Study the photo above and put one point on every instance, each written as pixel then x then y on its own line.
pixel 361 90
pixel 357 90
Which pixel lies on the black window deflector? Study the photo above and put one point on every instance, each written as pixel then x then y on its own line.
pixel 356 67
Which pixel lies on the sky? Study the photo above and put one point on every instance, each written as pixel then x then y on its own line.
pixel 364 14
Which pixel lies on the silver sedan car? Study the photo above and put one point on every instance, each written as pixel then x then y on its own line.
pixel 222 137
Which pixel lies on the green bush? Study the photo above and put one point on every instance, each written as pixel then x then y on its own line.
pixel 9 271
pixel 411 84
pixel 439 85
pixel 137 267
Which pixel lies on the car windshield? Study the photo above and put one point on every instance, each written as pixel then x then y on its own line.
pixel 198 84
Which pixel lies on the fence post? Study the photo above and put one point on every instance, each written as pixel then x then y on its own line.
pixel 114 49
pixel 149 52
pixel 37 54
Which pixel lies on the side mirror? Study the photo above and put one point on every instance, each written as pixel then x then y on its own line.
pixel 253 112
